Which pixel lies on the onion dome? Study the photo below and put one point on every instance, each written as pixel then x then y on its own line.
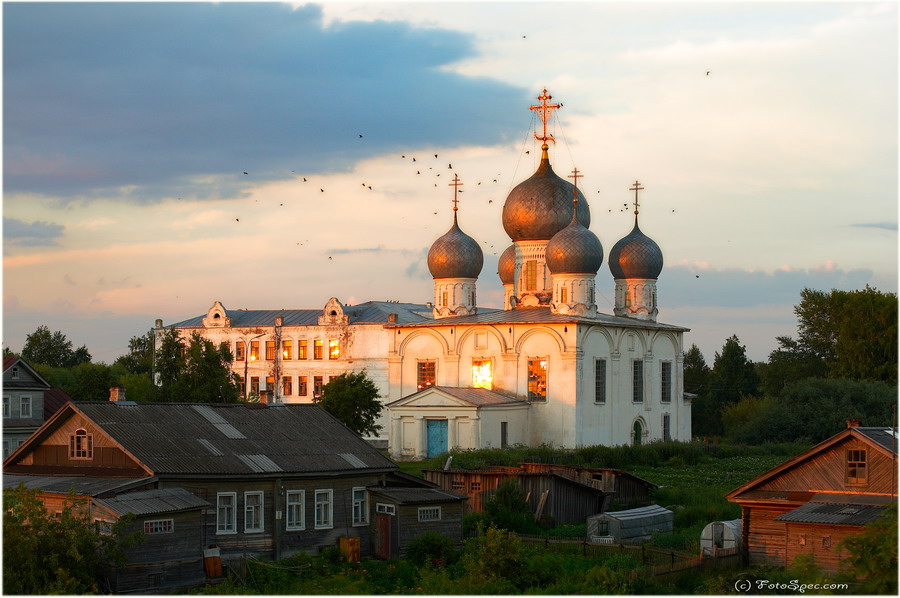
pixel 636 256
pixel 455 255
pixel 541 206
pixel 506 267
pixel 574 250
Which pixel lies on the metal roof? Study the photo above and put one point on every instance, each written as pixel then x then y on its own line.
pixel 833 513
pixel 639 513
pixel 479 397
pixel 234 439
pixel 151 502
pixel 82 485
pixel 888 438
pixel 417 495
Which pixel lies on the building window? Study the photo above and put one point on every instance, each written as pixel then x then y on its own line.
pixel 334 349
pixel 425 374
pixel 270 383
pixel 856 466
pixel 81 445
pixel 287 350
pixel 242 385
pixel 826 541
pixel 801 539
pixel 301 386
pixel 323 509
pixel 537 380
pixel 25 407
pixel 637 381
pixel 317 386
pixel 254 385
pixel 302 350
pixel 360 507
pixel 5 449
pixel 530 275
pixel 475 486
pixel 15 373
pixel 239 351
pixel 504 434
pixel 600 381
pixel 253 512
pixel 458 486
pixel 254 350
pixel 5 406
pixel 226 518
pixel 270 350
pixel 667 431
pixel 385 509
pixel 296 518
pixel 159 526
pixel 637 434
pixel 482 373
pixel 564 295
pixel 429 513
pixel 444 299
pixel 665 382
pixel 317 349
pixel 287 385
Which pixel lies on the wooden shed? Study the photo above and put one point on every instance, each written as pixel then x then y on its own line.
pixel 403 514
pixel 811 502
pixel 626 490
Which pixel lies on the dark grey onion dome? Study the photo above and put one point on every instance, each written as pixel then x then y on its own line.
pixel 506 267
pixel 574 250
pixel 455 255
pixel 635 256
pixel 541 206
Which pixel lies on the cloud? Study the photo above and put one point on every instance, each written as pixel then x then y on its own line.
pixel 882 225
pixel 34 234
pixel 155 100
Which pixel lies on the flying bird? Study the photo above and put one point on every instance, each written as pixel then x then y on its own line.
pixel 490 201
pixel 707 73
pixel 414 159
pixel 237 219
pixel 435 155
pixel 329 257
pixel 245 172
pixel 527 151
pixel 322 190
pixel 449 165
pixel 360 136
pixel 304 179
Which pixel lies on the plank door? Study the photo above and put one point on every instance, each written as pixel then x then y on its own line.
pixel 437 437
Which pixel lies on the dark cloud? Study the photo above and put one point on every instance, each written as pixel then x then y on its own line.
pixel 153 95
pixel 34 234
pixel 883 225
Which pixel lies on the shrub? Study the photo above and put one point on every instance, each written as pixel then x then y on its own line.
pixel 430 547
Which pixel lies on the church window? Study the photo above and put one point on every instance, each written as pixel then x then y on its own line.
pixel 425 374
pixel 239 351
pixel 287 349
pixel 482 373
pixel 600 381
pixel 301 386
pixel 254 385
pixel 530 275
pixel 537 380
pixel 564 295
pixel 637 381
pixel 318 384
pixel 667 427
pixel 637 434
pixel 591 295
pixel 317 349
pixel 504 434
pixel 856 466
pixel 334 349
pixel 287 385
pixel 254 350
pixel 302 349
pixel 665 384
pixel 270 350
pixel 81 445
pixel 444 299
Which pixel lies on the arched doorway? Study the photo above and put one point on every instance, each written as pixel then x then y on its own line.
pixel 637 434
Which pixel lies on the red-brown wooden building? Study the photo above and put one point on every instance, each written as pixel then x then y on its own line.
pixel 808 504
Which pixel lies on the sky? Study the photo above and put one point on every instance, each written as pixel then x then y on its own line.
pixel 160 157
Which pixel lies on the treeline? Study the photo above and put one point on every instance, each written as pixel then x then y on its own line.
pixel 842 365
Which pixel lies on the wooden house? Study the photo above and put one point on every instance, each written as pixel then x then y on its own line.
pixel 808 504
pixel 28 401
pixel 270 480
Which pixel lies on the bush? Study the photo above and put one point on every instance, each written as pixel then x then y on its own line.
pixel 431 547
pixel 508 509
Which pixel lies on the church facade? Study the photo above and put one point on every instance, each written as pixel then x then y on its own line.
pixel 548 368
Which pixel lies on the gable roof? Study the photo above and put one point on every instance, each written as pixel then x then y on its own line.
pixel 14 360
pixel 478 397
pixel 873 436
pixel 187 439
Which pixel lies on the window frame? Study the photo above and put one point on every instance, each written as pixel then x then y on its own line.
pixel 482 361
pixel 302 349
pixel 302 386
pixel 385 509
pixel 856 460
pixel 287 350
pixel 318 386
pixel 230 527
pixel 422 376
pixel 155 527
pixel 270 350
pixel 665 381
pixel 533 395
pixel 258 510
pixel 600 381
pixel 530 275
pixel 81 446
pixel 297 507
pixel 7 410
pixel 318 348
pixel 637 381
pixel 334 349
pixel 360 506
pixel 26 400
pixel 254 351
pixel 240 351
pixel 287 386
pixel 666 427
pixel 328 508
pixel 426 511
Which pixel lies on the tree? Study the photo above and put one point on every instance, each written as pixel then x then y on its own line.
pixel 52 349
pixel 139 359
pixel 790 362
pixel 873 554
pixel 353 399
pixel 508 509
pixel 196 372
pixel 63 554
pixel 732 376
pixel 92 382
pixel 695 370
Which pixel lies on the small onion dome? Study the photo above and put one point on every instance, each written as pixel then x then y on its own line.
pixel 574 250
pixel 541 206
pixel 455 255
pixel 506 267
pixel 635 256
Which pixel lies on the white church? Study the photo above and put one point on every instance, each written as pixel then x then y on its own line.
pixel 548 368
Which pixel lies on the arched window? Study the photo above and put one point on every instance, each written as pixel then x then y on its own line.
pixel 637 434
pixel 81 445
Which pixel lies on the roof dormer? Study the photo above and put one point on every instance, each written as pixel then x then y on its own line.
pixel 217 317
pixel 333 314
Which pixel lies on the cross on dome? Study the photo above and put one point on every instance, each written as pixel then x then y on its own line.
pixel 637 187
pixel 456 184
pixel 575 176
pixel 544 110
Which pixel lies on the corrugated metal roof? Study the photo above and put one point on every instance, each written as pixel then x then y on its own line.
pixel 151 502
pixel 888 438
pixel 833 513
pixel 82 485
pixel 166 437
pixel 639 513
pixel 417 495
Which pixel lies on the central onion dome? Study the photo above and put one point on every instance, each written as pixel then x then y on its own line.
pixel 574 250
pixel 635 256
pixel 506 267
pixel 455 255
pixel 541 206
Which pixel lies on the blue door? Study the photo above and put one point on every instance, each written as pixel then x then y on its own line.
pixel 437 436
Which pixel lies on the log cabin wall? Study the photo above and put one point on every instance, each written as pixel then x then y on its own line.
pixel 820 541
pixel 766 542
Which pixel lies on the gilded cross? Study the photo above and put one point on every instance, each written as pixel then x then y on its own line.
pixel 545 109
pixel 575 176
pixel 637 187
pixel 456 184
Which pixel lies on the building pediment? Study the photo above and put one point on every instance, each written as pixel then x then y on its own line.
pixel 448 396
pixel 217 317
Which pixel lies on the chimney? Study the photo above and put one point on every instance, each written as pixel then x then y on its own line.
pixel 854 423
pixel 264 397
pixel 116 394
pixel 392 318
pixel 279 321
